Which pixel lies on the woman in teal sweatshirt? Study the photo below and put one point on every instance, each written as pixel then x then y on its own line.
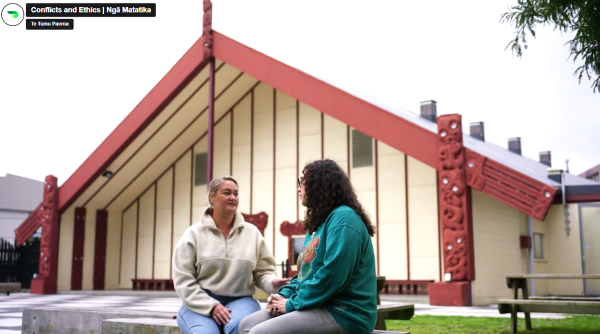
pixel 335 288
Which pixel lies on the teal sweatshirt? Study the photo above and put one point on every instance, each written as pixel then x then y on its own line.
pixel 336 270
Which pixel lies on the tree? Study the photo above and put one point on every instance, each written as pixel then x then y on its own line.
pixel 580 16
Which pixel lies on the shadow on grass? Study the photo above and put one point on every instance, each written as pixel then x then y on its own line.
pixel 427 324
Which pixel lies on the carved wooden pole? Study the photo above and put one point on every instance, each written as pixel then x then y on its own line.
pixel 455 202
pixel 207 41
pixel 50 220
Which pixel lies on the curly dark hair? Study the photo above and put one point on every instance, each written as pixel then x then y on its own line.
pixel 328 187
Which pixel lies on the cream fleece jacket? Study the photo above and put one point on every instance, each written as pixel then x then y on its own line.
pixel 204 259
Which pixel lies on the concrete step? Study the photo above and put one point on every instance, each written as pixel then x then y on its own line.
pixel 85 321
pixel 140 325
pixel 160 326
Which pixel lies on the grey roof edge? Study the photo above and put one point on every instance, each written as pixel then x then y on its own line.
pixel 519 163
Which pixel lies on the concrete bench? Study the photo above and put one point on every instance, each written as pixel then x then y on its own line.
pixel 411 283
pixel 160 326
pixel 10 287
pixel 396 311
pixel 513 306
pixel 574 298
pixel 88 321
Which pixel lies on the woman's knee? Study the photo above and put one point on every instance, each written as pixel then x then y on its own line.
pixel 193 323
pixel 252 320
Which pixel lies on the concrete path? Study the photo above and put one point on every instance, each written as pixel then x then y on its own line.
pixel 11 307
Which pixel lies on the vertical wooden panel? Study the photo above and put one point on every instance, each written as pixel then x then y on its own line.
pixel 285 168
pixel 65 250
pixel 100 249
pixel 309 143
pixel 199 191
pixel 423 220
pixel 241 151
pixel 78 242
pixel 113 250
pixel 335 142
pixel 262 157
pixel 363 181
pixel 162 241
pixel 392 212
pixel 183 185
pixel 145 234
pixel 87 282
pixel 222 146
pixel 129 246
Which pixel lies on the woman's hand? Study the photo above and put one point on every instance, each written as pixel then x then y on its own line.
pixel 276 305
pixel 220 314
pixel 279 282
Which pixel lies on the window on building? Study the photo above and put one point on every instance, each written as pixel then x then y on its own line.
pixel 200 165
pixel 538 246
pixel 362 149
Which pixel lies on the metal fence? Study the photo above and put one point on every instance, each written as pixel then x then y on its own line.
pixel 19 264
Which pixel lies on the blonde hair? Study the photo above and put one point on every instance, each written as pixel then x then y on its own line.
pixel 214 185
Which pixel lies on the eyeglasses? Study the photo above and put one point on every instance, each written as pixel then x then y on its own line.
pixel 300 181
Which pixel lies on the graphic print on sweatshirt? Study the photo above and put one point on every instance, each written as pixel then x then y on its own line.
pixel 305 258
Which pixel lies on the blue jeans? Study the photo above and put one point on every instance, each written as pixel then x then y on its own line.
pixel 191 322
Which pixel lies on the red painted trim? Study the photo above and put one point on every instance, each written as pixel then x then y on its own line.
pixel 508 185
pixel 78 245
pixel 140 117
pixel 581 198
pixel 100 249
pixel 154 228
pixel 211 119
pixel 367 118
pixel 29 226
pixel 407 228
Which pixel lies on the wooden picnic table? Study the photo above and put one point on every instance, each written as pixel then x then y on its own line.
pixel 519 281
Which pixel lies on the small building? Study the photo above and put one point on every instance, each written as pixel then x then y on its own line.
pixel 448 206
pixel 19 196
pixel 592 174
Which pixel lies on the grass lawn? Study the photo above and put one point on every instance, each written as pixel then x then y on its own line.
pixel 422 324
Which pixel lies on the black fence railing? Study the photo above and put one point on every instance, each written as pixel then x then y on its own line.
pixel 19 264
pixel 9 262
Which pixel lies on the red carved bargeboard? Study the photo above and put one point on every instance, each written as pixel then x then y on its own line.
pixel 29 226
pixel 522 192
pixel 49 216
pixel 457 233
pixel 207 32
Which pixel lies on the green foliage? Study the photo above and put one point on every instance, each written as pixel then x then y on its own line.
pixel 580 16
pixel 427 324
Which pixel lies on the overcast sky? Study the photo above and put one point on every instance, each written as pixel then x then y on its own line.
pixel 63 92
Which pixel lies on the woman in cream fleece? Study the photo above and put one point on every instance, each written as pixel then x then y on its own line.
pixel 216 264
